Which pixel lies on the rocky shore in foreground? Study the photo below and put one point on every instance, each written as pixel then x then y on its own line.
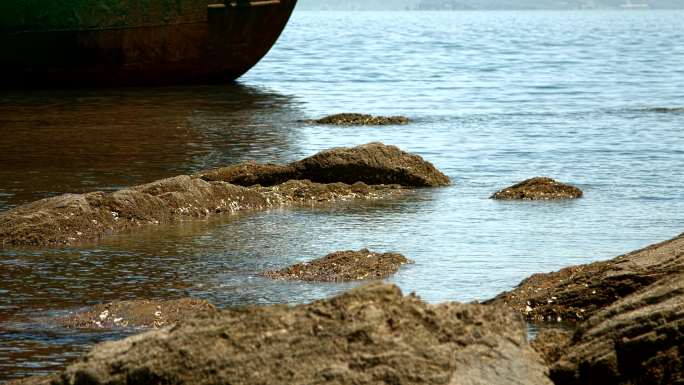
pixel 631 332
pixel 623 319
pixel 628 316
pixel 369 171
pixel 636 340
pixel 576 293
pixel 369 335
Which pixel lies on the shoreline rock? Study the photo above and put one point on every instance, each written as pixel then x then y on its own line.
pixel 629 314
pixel 539 188
pixel 250 174
pixel 372 334
pixel 353 119
pixel 577 292
pixel 343 266
pixel 372 163
pixel 137 314
pixel 77 218
pixel 551 343
pixel 638 340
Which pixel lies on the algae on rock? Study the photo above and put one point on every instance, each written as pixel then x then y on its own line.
pixel 343 266
pixel 540 188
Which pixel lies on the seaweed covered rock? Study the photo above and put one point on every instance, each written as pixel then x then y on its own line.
pixel 305 192
pixel 343 266
pixel 138 313
pixel 372 163
pixel 540 188
pixel 577 292
pixel 351 119
pixel 370 335
pixel 638 340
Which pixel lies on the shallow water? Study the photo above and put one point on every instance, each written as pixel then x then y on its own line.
pixel 590 98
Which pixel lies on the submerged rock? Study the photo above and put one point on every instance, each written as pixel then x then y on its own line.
pixel 370 335
pixel 365 172
pixel 638 340
pixel 350 119
pixel 139 313
pixel 305 192
pixel 540 188
pixel 343 266
pixel 575 293
pixel 666 110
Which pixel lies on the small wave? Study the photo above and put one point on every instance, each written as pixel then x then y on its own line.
pixel 665 110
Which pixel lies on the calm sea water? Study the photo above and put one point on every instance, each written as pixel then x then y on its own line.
pixel 589 98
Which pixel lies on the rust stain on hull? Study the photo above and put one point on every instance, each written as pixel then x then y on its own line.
pixel 234 37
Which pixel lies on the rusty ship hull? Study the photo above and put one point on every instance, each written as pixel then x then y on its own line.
pixel 115 42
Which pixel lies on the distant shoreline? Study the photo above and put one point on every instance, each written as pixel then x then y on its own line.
pixel 618 9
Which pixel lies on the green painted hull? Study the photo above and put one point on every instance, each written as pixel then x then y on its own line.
pixel 127 42
pixel 77 15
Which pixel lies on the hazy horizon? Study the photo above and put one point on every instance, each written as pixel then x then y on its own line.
pixel 483 4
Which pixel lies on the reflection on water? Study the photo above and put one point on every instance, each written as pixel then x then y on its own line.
pixel 497 97
pixel 83 140
pixel 74 141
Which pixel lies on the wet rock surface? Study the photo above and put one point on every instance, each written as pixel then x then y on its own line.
pixel 577 292
pixel 75 218
pixel 38 380
pixel 370 171
pixel 307 193
pixel 637 340
pixel 343 266
pixel 370 335
pixel 137 314
pixel 351 119
pixel 551 344
pixel 631 317
pixel 372 163
pixel 250 173
pixel 540 188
